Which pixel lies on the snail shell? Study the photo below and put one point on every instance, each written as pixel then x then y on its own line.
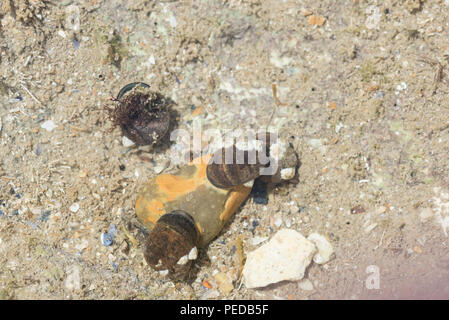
pixel 129 87
pixel 142 114
pixel 172 238
pixel 230 167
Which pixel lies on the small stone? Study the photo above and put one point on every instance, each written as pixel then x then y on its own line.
pixel 284 257
pixel 106 239
pixel 305 285
pixel 305 12
pixel 278 222
pixel 357 209
pixel 193 254
pixel 317 20
pixel 258 240
pixel 183 260
pixel 44 217
pixel 287 173
pixel 74 207
pixel 127 142
pixel 48 125
pixel 158 169
pixel 224 283
pixel 325 249
pixel 249 184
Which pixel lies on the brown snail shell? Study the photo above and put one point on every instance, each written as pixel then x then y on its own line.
pixel 231 173
pixel 142 114
pixel 173 237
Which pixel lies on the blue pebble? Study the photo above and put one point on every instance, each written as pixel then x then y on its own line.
pixel 106 239
pixel 44 217
pixel 255 223
pixel 1 213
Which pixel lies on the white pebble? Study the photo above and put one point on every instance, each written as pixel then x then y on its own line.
pixel 158 169
pixel 249 184
pixel 48 125
pixel 74 207
pixel 193 254
pixel 305 285
pixel 183 260
pixel 278 222
pixel 127 142
pixel 258 240
pixel 325 249
pixel 287 173
pixel 284 257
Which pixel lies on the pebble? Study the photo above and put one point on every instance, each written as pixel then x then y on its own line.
pixel 44 217
pixel 106 239
pixel 258 240
pixel 127 142
pixel 224 283
pixel 278 222
pixel 193 254
pixel 284 257
pixel 158 169
pixel 287 173
pixel 305 285
pixel 325 249
pixel 48 125
pixel 74 207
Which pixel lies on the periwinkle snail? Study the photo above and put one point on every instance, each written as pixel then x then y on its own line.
pixel 142 114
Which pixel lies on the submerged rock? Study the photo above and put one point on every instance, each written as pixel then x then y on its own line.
pixel 284 257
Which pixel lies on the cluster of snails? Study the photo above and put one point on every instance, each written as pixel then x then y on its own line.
pixel 187 209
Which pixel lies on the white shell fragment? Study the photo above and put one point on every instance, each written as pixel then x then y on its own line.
pixel 284 257
pixel 305 285
pixel 325 249
pixel 74 207
pixel 193 254
pixel 183 260
pixel 48 125
pixel 287 173
pixel 163 273
pixel 249 184
pixel 127 142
